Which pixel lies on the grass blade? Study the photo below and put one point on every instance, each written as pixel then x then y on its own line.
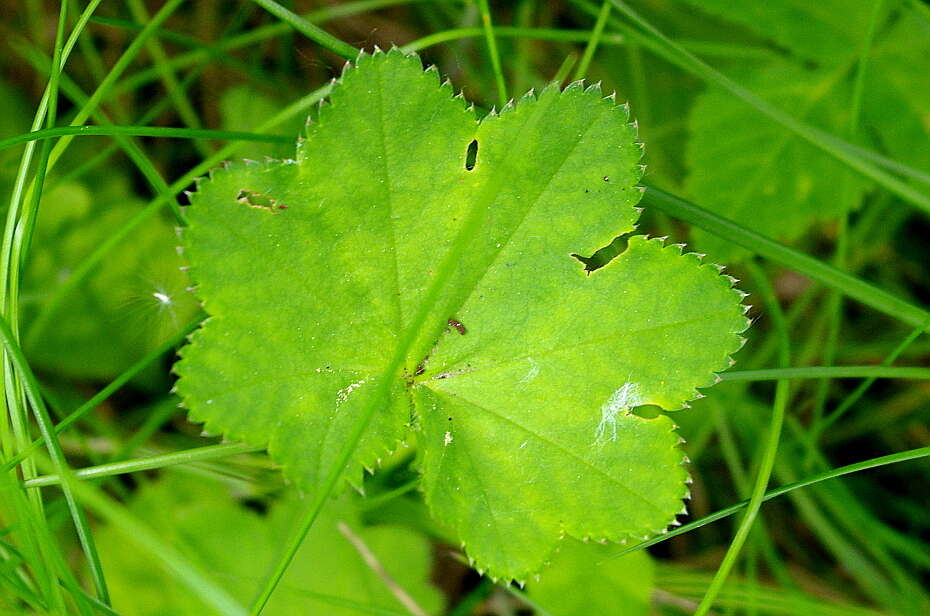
pixel 143 131
pixel 312 32
pixel 904 456
pixel 767 248
pixel 773 439
pixel 833 372
pixel 188 456
pixel 491 41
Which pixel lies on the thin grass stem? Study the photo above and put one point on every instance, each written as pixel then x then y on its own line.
pixel 33 393
pixel 143 131
pixel 314 33
pixel 596 34
pixel 97 399
pixel 493 53
pixel 780 404
pixel 832 372
pixel 175 458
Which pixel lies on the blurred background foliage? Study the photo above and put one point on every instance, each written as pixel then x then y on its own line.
pixel 857 69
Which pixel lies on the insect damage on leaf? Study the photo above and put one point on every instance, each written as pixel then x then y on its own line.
pixel 387 234
pixel 259 201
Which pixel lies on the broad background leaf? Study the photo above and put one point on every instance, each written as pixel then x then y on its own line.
pixel 581 581
pixel 188 511
pixel 129 306
pixel 897 97
pixel 752 170
pixel 827 31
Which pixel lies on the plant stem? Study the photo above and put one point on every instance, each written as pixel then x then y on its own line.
pixel 854 397
pixel 833 372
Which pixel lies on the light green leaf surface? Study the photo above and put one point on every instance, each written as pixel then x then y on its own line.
pixel 331 282
pixel 581 581
pixel 751 170
pixel 897 95
pixel 202 519
pixel 826 31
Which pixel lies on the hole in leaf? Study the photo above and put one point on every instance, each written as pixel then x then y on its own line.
pixel 471 155
pixel 259 201
pixel 605 255
pixel 258 505
pixel 646 411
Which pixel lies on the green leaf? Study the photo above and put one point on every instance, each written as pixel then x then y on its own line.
pixel 897 97
pixel 200 518
pixel 244 109
pixel 751 170
pixel 383 275
pixel 578 583
pixel 827 31
pixel 132 304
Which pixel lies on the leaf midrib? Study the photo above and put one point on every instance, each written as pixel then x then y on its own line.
pixel 465 237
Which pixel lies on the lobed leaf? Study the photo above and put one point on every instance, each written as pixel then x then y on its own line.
pixel 421 269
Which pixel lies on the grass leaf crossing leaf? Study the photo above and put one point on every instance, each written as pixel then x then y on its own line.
pixel 387 280
pixel 825 32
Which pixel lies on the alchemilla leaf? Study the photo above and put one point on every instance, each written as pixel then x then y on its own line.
pixel 896 100
pixel 416 269
pixel 825 32
pixel 754 171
